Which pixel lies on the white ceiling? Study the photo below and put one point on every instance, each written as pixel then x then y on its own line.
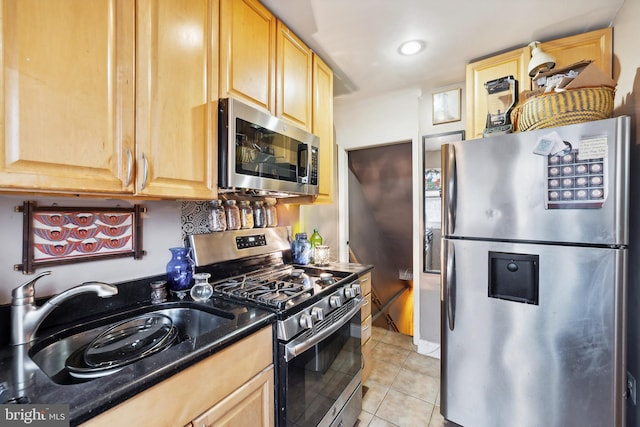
pixel 359 39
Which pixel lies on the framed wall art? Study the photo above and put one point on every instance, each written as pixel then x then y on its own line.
pixel 54 235
pixel 446 106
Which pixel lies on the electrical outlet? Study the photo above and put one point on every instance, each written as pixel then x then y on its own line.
pixel 631 387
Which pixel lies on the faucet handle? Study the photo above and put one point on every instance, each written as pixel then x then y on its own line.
pixel 27 289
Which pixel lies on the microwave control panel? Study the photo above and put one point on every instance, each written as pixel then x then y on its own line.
pixel 313 175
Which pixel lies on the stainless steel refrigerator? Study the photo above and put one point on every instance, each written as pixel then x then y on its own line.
pixel 534 277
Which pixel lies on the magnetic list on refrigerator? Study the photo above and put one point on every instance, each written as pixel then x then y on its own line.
pixel 592 148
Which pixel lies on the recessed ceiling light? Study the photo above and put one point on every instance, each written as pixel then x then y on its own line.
pixel 411 47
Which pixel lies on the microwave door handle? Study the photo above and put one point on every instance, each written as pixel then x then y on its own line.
pixel 303 163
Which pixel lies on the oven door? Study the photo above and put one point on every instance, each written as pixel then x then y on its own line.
pixel 322 384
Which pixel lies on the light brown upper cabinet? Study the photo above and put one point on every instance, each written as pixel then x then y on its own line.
pixel 176 93
pixel 512 63
pixel 323 127
pixel 67 96
pixel 76 120
pixel 293 78
pixel 595 45
pixel 248 53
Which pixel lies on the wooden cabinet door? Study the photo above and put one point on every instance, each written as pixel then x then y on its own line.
pixel 66 95
pixel 176 90
pixel 232 378
pixel 248 53
pixel 250 405
pixel 594 45
pixel 478 73
pixel 322 120
pixel 293 82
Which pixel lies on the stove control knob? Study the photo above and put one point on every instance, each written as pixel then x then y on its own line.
pixel 356 288
pixel 306 321
pixel 335 301
pixel 317 314
pixel 349 293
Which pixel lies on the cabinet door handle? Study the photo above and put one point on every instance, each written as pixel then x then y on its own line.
pixel 145 173
pixel 366 302
pixel 364 279
pixel 129 167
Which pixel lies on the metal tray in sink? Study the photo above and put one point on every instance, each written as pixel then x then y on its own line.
pixel 122 344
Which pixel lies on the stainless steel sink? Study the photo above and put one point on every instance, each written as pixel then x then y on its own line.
pixel 50 353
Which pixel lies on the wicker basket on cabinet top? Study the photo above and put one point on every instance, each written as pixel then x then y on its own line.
pixel 564 108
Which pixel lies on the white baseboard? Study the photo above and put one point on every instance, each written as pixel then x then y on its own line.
pixel 429 348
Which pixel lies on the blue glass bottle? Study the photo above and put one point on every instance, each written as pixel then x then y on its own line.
pixel 180 269
pixel 301 249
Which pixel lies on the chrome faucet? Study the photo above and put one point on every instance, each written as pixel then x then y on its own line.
pixel 26 317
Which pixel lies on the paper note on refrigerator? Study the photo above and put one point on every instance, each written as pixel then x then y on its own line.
pixel 592 148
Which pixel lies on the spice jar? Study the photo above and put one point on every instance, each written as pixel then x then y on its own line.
pixel 258 215
pixel 246 215
pixel 233 215
pixel 217 217
pixel 270 214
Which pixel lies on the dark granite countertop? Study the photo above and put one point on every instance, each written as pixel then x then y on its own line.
pixel 347 267
pixel 22 381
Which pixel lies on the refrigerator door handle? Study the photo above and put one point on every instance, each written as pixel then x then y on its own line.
pixel 450 194
pixel 450 285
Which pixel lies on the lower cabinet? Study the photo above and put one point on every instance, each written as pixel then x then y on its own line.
pixel 251 405
pixel 365 313
pixel 233 387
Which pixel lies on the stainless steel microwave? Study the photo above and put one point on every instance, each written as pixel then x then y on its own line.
pixel 258 151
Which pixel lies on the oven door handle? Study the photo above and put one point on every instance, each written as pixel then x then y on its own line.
pixel 297 347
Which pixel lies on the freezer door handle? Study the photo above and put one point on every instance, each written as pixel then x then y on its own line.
pixel 450 285
pixel 448 153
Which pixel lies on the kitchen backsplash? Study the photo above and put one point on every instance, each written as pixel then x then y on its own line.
pixel 194 218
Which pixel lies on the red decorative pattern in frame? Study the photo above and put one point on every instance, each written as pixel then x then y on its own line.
pixel 57 235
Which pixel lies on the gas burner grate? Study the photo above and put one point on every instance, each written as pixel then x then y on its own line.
pixel 279 294
pixel 270 292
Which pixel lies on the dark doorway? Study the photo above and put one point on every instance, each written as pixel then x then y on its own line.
pixel 380 229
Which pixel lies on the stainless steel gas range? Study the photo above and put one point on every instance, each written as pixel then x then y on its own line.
pixel 317 347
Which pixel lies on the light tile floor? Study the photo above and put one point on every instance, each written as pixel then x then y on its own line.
pixel 403 388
